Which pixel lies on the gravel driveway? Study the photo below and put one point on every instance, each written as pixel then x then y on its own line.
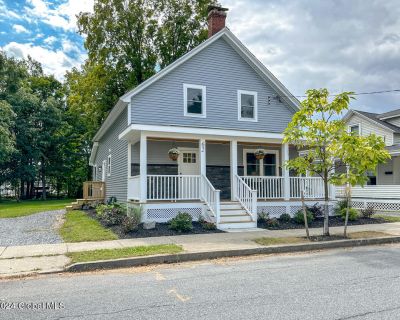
pixel 33 229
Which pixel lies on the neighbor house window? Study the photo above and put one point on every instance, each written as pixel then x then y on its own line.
pixel 194 97
pixel 355 129
pixel 247 105
pixel 109 165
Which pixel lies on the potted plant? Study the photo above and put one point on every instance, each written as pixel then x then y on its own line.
pixel 259 154
pixel 173 154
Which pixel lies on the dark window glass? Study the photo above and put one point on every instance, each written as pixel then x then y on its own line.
pixel 247 106
pixel 194 101
pixel 270 164
pixel 253 165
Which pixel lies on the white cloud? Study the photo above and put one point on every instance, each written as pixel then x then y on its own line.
pixel 20 29
pixel 69 46
pixel 50 40
pixel 63 16
pixel 53 61
pixel 7 13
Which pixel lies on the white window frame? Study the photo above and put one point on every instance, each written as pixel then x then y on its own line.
pixel 109 165
pixel 187 86
pixel 239 103
pixel 103 170
pixel 95 172
pixel 275 152
pixel 355 125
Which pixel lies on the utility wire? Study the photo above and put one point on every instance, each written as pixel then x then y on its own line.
pixel 354 94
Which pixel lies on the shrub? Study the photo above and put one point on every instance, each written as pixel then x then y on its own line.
pixel 285 217
pixel 299 216
pixel 272 223
pixel 208 225
pixel 111 214
pixel 263 216
pixel 340 205
pixel 182 222
pixel 129 224
pixel 353 214
pixel 367 213
pixel 316 210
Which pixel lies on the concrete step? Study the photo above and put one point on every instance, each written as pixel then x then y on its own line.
pixel 237 225
pixel 230 206
pixel 233 212
pixel 241 218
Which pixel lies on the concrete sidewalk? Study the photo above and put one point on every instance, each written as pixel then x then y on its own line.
pixel 16 260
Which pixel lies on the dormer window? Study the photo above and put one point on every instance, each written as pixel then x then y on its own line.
pixel 194 97
pixel 247 105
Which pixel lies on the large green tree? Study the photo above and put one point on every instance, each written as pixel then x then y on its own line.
pixel 317 129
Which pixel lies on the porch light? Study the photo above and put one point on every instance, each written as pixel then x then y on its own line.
pixel 173 154
pixel 259 154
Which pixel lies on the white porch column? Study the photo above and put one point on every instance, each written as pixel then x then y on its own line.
pixel 332 188
pixel 285 172
pixel 202 151
pixel 234 165
pixel 129 170
pixel 143 167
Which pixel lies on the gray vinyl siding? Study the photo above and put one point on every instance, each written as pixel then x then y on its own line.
pixel 396 138
pixel 394 121
pixel 116 183
pixel 367 127
pixel 223 71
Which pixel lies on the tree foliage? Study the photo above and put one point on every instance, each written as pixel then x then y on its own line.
pixel 319 132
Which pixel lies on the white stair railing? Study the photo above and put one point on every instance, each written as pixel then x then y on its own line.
pixel 211 197
pixel 246 196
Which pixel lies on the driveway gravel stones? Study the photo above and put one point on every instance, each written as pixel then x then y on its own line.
pixel 37 228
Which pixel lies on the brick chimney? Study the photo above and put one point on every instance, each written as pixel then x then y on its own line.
pixel 216 19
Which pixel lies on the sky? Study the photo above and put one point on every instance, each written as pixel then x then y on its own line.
pixel 343 45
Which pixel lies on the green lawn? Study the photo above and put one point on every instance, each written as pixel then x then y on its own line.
pixel 12 209
pixel 269 241
pixel 387 218
pixel 110 254
pixel 78 227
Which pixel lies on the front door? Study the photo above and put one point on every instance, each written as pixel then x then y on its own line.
pixel 188 161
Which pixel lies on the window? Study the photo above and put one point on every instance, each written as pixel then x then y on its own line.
pixel 247 105
pixel 268 166
pixel 95 172
pixel 194 100
pixel 354 129
pixel 371 178
pixel 109 165
pixel 189 157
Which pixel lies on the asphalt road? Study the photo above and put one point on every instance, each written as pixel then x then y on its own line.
pixel 361 283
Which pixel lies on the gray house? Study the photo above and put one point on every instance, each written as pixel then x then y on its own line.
pixel 204 136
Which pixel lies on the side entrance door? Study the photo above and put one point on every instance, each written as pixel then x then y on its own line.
pixel 188 165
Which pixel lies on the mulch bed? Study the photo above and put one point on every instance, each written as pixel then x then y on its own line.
pixel 160 230
pixel 319 223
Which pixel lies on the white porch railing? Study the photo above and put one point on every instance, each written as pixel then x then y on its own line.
pixel 173 187
pixel 211 197
pixel 313 187
pixel 372 192
pixel 246 196
pixel 267 187
pixel 134 187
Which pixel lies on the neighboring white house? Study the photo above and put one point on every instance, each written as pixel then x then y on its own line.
pixel 383 188
pixel 216 105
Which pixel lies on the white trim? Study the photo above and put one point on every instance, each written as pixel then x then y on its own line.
pixel 93 153
pixel 267 151
pixel 143 167
pixel 212 132
pixel 233 168
pixel 239 103
pixel 95 173
pixel 203 113
pixel 203 157
pixel 103 171
pixel 129 113
pixel 109 165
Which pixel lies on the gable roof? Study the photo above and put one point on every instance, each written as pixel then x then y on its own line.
pixel 390 114
pixel 372 117
pixel 238 46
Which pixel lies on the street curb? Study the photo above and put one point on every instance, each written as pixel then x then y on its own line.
pixel 195 256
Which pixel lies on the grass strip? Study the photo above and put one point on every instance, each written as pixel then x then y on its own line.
pixel 14 209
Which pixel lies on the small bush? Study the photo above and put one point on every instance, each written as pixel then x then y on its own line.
pixel 285 217
pixel 208 225
pixel 263 216
pixel 367 213
pixel 316 210
pixel 353 214
pixel 111 214
pixel 272 223
pixel 299 216
pixel 182 222
pixel 129 224
pixel 340 205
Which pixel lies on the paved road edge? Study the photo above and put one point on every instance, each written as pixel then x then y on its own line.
pixel 195 256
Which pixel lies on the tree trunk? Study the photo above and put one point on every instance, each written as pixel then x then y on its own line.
pixel 303 205
pixel 348 198
pixel 326 204
pixel 43 182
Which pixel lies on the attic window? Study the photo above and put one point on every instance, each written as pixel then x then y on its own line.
pixel 247 105
pixel 194 97
pixel 355 129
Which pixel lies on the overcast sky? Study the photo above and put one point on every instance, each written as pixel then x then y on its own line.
pixel 339 44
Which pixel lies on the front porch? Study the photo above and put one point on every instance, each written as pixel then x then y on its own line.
pixel 216 177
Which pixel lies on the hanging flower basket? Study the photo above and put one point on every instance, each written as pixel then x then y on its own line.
pixel 173 154
pixel 259 153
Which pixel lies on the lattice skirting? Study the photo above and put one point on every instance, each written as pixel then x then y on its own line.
pixel 378 205
pixel 275 209
pixel 165 212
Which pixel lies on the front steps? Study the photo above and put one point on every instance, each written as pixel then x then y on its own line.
pixel 234 216
pixel 77 205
